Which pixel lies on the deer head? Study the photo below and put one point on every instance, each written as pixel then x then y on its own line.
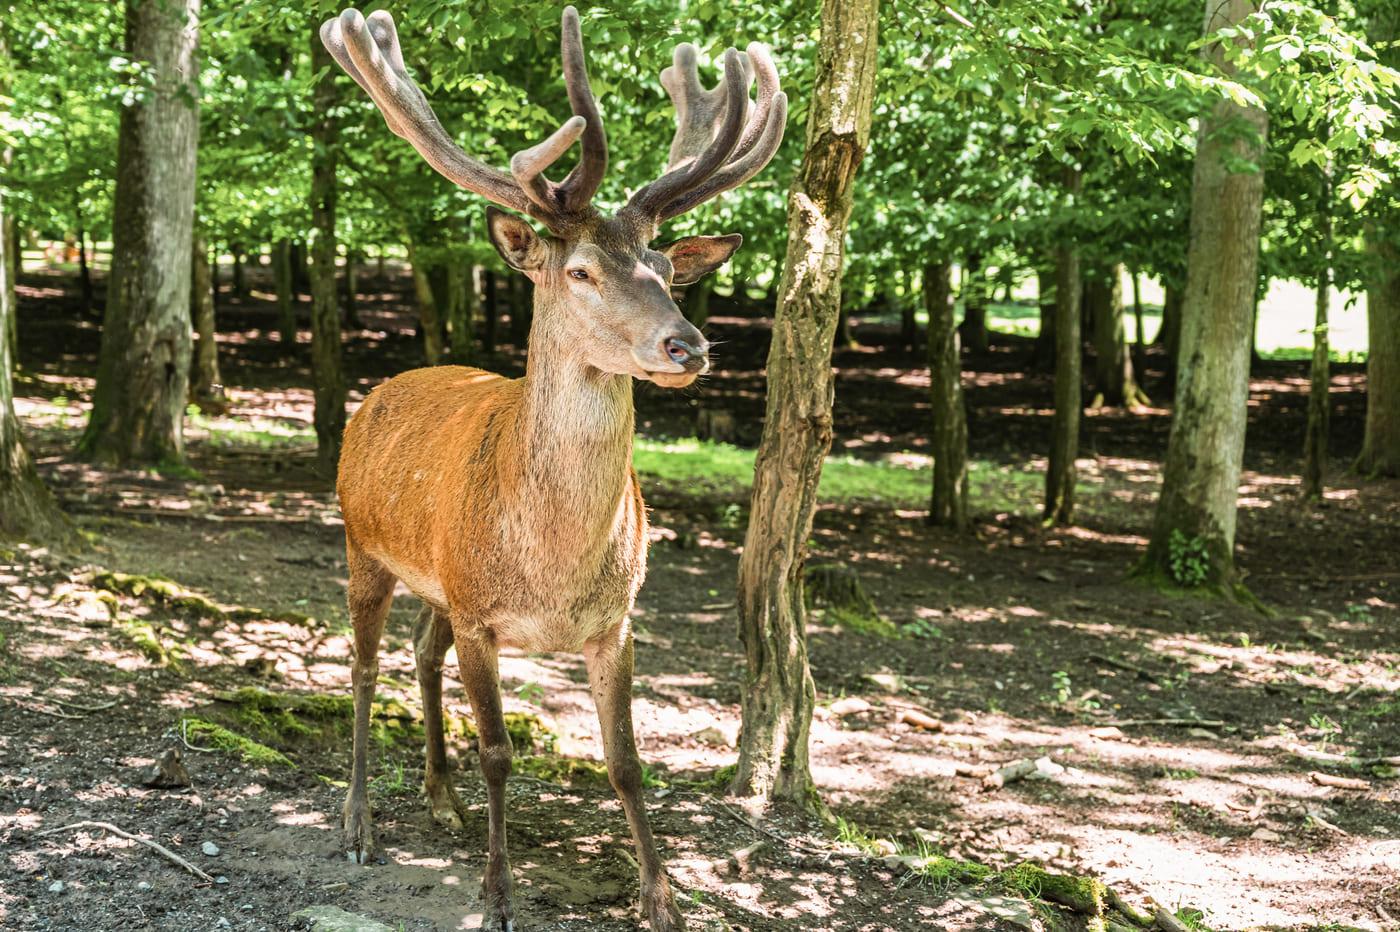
pixel 600 286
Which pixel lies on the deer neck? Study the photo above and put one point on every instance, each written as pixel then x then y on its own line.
pixel 576 427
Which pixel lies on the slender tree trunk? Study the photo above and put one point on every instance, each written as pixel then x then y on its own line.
pixel 426 300
pixel 236 279
pixel 286 296
pixel 1043 352
pixel 457 309
pixel 143 366
pixel 974 289
pixel 948 505
pixel 492 310
pixel 327 370
pixel 301 278
pixel 1319 371
pixel 1060 473
pixel 1196 508
pixel 908 317
pixel 845 336
pixel 697 301
pixel 1380 449
pixel 778 693
pixel 205 382
pixel 351 282
pixel 1114 379
pixel 1139 336
pixel 27 510
pixel 84 272
pixel 519 310
pixel 10 255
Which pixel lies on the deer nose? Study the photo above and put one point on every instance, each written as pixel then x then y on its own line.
pixel 683 353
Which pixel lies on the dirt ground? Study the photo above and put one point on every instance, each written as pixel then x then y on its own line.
pixel 1191 745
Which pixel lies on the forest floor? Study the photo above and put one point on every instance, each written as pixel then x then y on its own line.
pixel 1190 746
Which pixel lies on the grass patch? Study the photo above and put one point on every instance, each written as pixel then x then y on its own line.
pixel 562 770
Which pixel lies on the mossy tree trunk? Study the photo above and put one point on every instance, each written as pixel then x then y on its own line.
pixel 205 382
pixel 1380 448
pixel 1060 472
pixel 948 503
pixel 1206 448
pixel 778 693
pixel 327 368
pixel 138 405
pixel 1114 380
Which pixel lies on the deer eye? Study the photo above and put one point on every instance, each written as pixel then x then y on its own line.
pixel 578 275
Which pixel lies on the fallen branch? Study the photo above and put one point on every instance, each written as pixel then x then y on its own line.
pixel 1319 821
pixel 79 706
pixel 918 718
pixel 154 846
pixel 1124 665
pixel 1167 922
pixel 1345 783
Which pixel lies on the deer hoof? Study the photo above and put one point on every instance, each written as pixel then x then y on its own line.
pixel 359 832
pixel 446 807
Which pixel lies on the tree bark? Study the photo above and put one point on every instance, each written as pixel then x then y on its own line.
pixel 143 365
pixel 1060 473
pixel 948 504
pixel 1196 508
pixel 465 281
pixel 974 288
pixel 327 370
pixel 205 382
pixel 908 317
pixel 491 310
pixel 1114 380
pixel 286 296
pixel 1319 370
pixel 1043 351
pixel 779 694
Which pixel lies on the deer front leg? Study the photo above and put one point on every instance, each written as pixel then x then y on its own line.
pixel 370 590
pixel 609 661
pixel 432 636
pixel 476 660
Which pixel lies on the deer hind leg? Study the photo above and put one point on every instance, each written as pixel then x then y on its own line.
pixel 477 663
pixel 432 636
pixel 370 591
pixel 609 661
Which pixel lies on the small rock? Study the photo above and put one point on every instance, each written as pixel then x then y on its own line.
pixel 167 772
pixel 1010 910
pixel 210 849
pixel 1047 576
pixel 1263 834
pixel 1203 734
pixel 1107 733
pixel 143 886
pixel 223 924
pixel 850 705
pixel 56 887
pixel 889 682
pixel 221 879
pixel 711 735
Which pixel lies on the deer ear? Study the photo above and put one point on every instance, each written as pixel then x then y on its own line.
pixel 515 240
pixel 694 257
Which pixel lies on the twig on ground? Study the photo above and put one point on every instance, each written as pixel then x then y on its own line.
pixel 1328 757
pixel 184 739
pixel 1319 821
pixel 1179 722
pixel 910 715
pixel 1167 922
pixel 1124 665
pixel 42 711
pixel 154 846
pixel 79 706
pixel 1010 773
pixel 1345 783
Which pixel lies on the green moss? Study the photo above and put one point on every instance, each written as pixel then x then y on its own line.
pixel 1084 895
pixel 143 636
pixel 717 782
pixel 569 770
pixel 200 732
pixel 853 620
pixel 945 871
pixel 175 596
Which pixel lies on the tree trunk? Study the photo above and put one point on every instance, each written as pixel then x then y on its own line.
pixel 138 405
pixel 1319 370
pixel 974 292
pixel 1043 352
pixel 697 301
pixel 845 336
pixel 286 296
pixel 1196 508
pixel 10 255
pixel 205 381
pixel 26 508
pixel 351 288
pixel 301 278
pixel 908 312
pixel 84 272
pixel 327 371
pixel 457 308
pixel 948 505
pixel 1114 379
pixel 426 301
pixel 1139 336
pixel 1380 448
pixel 778 693
pixel 236 279
pixel 492 310
pixel 519 310
pixel 1060 474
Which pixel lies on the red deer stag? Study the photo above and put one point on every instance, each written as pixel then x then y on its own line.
pixel 510 506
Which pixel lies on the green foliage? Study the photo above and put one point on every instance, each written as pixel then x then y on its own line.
pixel 1189 559
pixel 198 731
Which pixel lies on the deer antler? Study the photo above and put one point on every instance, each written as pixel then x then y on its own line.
pixel 368 49
pixel 722 139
